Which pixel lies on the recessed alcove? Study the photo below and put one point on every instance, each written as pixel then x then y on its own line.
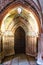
pixel 20 31
pixel 19 41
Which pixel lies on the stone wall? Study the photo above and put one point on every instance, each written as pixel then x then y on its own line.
pixel 3 3
pixel 31 46
pixel 8 45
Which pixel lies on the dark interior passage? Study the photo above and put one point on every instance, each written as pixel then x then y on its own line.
pixel 19 41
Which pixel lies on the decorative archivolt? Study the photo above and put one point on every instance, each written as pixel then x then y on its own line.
pixel 25 16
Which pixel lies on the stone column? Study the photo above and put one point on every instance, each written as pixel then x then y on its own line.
pixel 40 50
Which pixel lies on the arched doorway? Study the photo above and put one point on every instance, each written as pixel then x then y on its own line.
pixel 19 40
pixel 31 21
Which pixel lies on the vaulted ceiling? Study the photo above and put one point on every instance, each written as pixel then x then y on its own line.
pixel 41 3
pixel 3 3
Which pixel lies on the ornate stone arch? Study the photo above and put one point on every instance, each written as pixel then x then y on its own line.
pixel 29 5
pixel 21 25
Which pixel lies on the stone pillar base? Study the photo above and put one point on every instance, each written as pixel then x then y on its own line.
pixel 39 60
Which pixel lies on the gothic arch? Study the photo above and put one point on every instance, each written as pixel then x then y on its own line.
pixel 26 6
pixel 23 26
pixel 29 6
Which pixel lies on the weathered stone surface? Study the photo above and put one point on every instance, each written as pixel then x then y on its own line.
pixel 3 3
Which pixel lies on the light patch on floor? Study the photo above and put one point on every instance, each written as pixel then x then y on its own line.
pixel 21 59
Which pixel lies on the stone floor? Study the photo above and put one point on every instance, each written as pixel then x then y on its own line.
pixel 20 59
